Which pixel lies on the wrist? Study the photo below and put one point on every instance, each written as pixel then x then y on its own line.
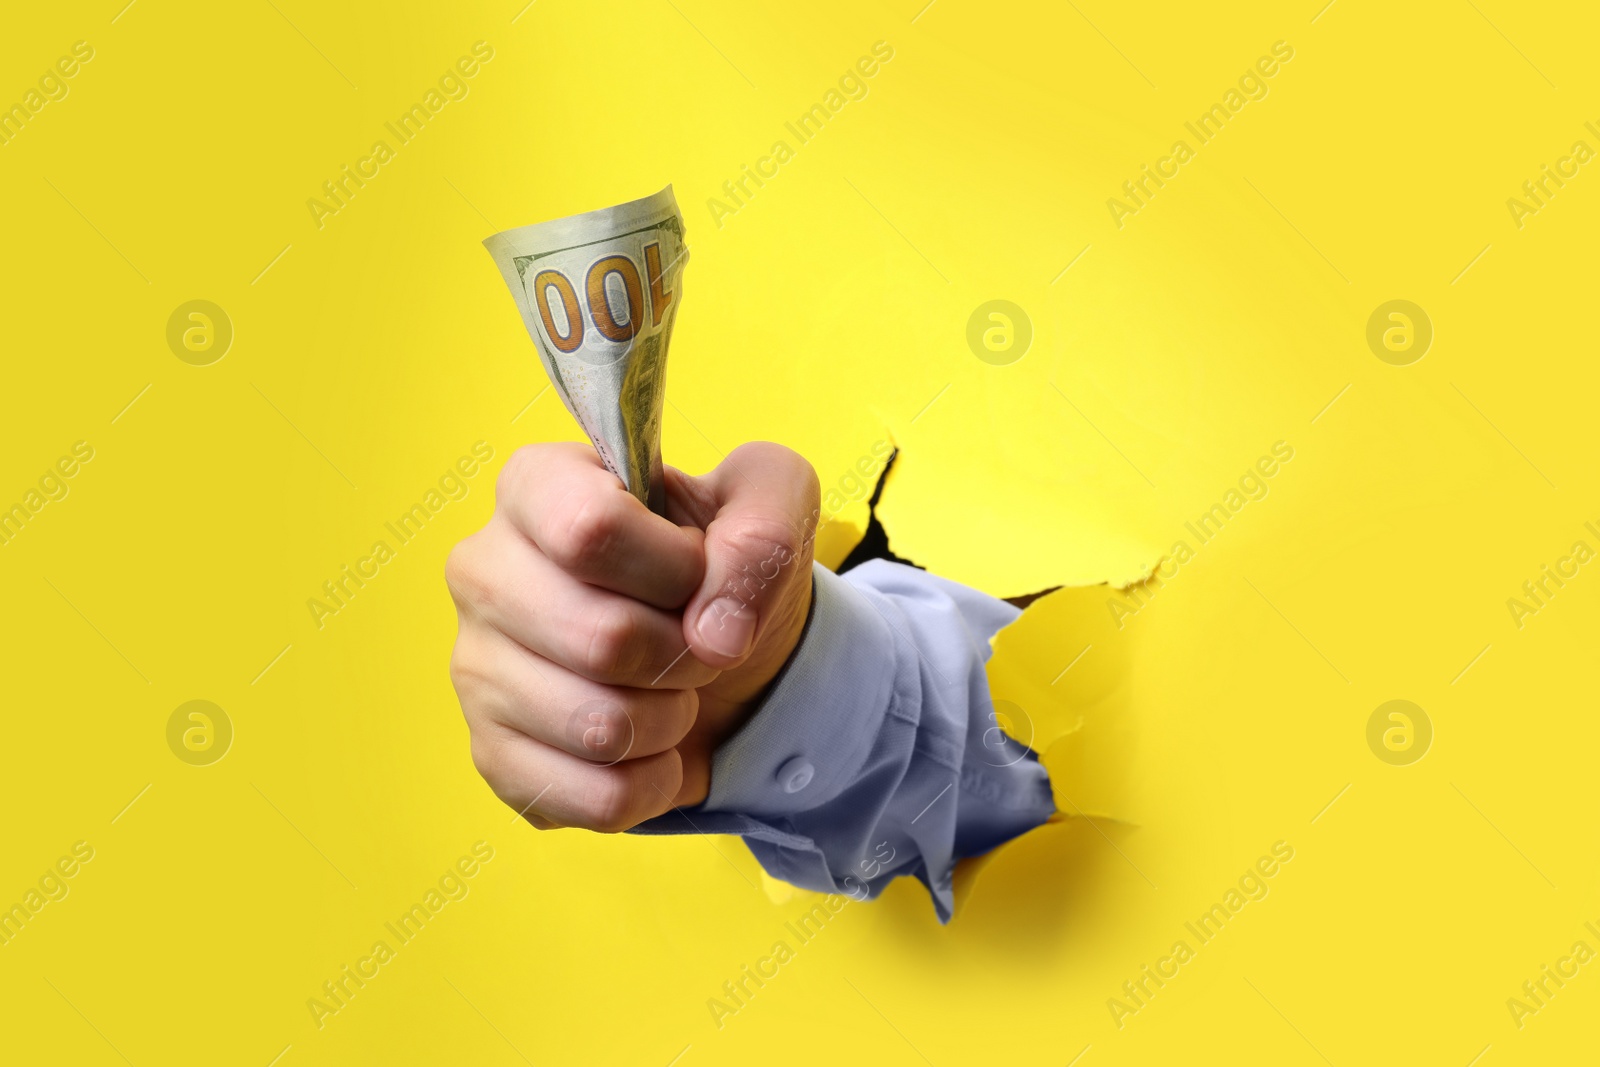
pixel 735 695
pixel 728 703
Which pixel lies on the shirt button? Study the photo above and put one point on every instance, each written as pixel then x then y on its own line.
pixel 795 774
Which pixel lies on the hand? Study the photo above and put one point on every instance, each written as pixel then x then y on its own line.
pixel 604 652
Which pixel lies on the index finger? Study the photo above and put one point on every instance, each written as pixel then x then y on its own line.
pixel 578 514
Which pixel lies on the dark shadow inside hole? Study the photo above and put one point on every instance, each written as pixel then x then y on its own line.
pixel 874 544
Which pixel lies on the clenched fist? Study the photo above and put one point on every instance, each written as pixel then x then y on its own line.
pixel 605 651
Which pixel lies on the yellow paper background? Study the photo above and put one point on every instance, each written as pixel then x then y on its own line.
pixel 828 313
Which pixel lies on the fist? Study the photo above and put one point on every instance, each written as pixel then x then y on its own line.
pixel 604 651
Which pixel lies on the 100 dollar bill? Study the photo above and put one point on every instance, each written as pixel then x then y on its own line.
pixel 599 293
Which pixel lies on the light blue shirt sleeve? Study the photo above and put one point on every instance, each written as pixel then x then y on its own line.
pixel 876 752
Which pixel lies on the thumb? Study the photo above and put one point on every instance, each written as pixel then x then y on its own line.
pixel 759 509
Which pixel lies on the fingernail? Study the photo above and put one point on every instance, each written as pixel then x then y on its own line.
pixel 727 627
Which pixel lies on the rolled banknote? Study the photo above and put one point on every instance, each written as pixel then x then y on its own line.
pixel 598 293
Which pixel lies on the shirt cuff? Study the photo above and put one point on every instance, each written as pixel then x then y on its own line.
pixel 795 753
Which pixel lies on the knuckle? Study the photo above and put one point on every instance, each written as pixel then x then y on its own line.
pixel 674 717
pixel 687 709
pixel 602 730
pixel 768 453
pixel 456 568
pixel 812 493
pixel 764 543
pixel 611 647
pixel 478 680
pixel 517 472
pixel 608 804
pixel 584 533
pixel 465 576
pixel 780 457
pixel 489 758
pixel 462 672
